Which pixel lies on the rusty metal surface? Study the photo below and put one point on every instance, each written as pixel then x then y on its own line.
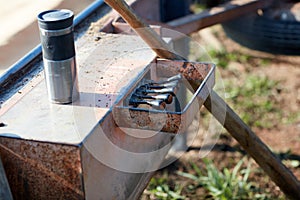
pixel 194 22
pixel 102 74
pixel 230 10
pixel 42 170
pixel 191 71
pixel 108 171
pixel 118 163
pixel 168 119
pixel 45 144
pixel 5 192
pixel 76 151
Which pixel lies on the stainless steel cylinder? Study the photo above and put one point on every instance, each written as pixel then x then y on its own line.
pixel 56 33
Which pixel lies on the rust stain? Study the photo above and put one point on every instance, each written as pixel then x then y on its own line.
pixel 142 119
pixel 148 118
pixel 190 70
pixel 42 170
pixel 173 124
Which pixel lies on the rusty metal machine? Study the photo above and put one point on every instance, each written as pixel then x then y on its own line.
pixel 109 142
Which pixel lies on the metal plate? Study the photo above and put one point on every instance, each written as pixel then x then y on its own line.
pixel 171 119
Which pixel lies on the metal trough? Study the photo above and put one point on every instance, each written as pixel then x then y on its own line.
pixel 76 151
pixel 174 118
pixel 98 147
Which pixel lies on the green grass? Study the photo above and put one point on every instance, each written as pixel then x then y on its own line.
pixel 223 58
pixel 226 184
pixel 253 97
pixel 197 7
pixel 253 100
pixel 209 182
pixel 292 118
pixel 160 189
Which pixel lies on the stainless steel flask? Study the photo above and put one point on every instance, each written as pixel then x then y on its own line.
pixel 56 33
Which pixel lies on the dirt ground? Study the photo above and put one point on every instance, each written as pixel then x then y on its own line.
pixel 282 137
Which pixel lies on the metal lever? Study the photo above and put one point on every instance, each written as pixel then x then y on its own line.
pixel 155 103
pixel 165 97
pixel 157 91
pixel 160 85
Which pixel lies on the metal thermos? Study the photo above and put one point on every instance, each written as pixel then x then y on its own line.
pixel 56 33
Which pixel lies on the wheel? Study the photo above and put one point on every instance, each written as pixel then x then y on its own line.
pixel 275 31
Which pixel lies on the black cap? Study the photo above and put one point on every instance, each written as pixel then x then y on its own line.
pixel 55 19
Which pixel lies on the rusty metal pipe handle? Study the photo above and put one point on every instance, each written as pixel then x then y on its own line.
pixel 157 44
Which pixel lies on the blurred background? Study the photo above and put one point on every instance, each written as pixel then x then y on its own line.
pixel 18 25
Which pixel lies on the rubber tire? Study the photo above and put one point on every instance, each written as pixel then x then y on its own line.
pixel 264 34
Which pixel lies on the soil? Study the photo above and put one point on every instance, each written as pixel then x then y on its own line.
pixel 283 138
